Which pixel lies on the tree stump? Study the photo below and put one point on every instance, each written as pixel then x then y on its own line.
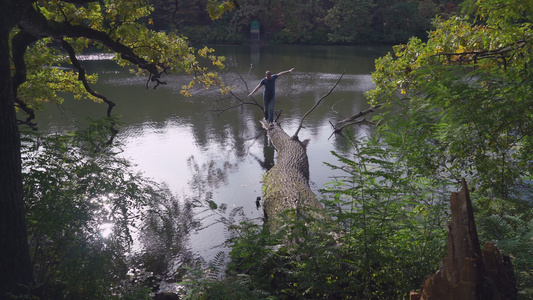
pixel 467 272
pixel 286 184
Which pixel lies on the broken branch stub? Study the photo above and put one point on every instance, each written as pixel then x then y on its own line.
pixel 467 272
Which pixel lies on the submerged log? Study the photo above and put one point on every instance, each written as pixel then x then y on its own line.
pixel 467 272
pixel 286 184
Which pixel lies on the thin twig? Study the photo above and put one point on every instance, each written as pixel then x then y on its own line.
pixel 316 104
pixel 252 101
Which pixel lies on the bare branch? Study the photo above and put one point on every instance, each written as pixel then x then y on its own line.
pixel 360 114
pixel 339 129
pixel 240 102
pixel 352 120
pixel 475 55
pixel 242 79
pixel 316 104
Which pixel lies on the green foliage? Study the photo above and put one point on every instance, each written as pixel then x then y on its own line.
pixel 349 21
pixel 48 83
pixel 509 225
pixel 49 70
pixel 309 22
pixel 401 21
pixel 210 35
pixel 459 106
pixel 217 8
pixel 82 200
pixel 392 218
pixel 385 234
pixel 205 282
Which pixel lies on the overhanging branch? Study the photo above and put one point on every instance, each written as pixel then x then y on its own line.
pixel 36 24
pixel 502 52
pixel 81 76
pixel 83 79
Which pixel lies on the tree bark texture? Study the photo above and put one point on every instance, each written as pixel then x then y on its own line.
pixel 286 184
pixel 467 272
pixel 15 267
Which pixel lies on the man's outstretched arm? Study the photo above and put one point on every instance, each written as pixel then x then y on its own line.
pixel 255 90
pixel 285 72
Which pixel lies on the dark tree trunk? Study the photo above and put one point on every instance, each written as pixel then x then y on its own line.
pixel 15 267
pixel 286 184
pixel 467 272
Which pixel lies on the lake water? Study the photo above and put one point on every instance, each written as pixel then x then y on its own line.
pixel 199 154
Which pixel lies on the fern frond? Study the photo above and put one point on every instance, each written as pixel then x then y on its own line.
pixel 216 266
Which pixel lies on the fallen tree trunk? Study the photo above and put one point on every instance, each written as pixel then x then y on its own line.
pixel 467 272
pixel 286 184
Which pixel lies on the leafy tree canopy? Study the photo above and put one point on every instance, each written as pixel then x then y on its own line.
pixel 460 103
pixel 51 33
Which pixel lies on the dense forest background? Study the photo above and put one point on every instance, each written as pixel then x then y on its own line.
pixel 304 21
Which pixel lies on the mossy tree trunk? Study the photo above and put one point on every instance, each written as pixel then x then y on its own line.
pixel 286 184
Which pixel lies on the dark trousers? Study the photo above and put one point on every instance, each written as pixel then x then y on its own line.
pixel 269 108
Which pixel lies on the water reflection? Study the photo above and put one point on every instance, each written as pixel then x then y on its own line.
pixel 163 237
pixel 221 158
pixel 268 154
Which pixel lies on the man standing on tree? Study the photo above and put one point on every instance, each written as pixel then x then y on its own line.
pixel 269 94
